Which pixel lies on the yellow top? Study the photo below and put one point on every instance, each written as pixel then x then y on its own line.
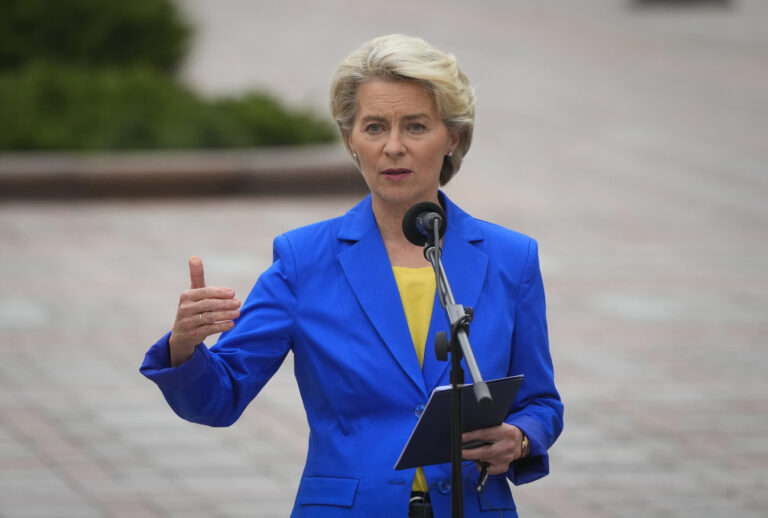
pixel 417 292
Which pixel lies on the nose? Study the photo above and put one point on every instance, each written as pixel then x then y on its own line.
pixel 394 146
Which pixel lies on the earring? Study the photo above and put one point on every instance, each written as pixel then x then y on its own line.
pixel 450 154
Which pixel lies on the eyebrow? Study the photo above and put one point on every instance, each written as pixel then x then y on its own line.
pixel 367 118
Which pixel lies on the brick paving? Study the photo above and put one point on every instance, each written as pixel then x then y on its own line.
pixel 631 143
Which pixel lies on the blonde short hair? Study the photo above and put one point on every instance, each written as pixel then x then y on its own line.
pixel 398 57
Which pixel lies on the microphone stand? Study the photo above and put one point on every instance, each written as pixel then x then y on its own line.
pixel 458 345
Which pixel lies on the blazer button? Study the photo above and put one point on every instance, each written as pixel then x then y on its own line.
pixel 444 486
pixel 418 411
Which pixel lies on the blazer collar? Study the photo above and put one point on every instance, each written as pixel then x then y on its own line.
pixel 360 220
pixel 366 265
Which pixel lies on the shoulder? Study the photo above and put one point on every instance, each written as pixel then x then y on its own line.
pixel 313 232
pixel 512 254
pixel 309 239
pixel 492 237
pixel 502 236
pixel 324 236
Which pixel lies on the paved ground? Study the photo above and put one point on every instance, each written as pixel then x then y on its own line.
pixel 631 143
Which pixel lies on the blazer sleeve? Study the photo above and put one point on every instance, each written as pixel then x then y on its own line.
pixel 214 386
pixel 538 410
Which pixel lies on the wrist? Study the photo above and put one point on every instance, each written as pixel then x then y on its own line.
pixel 178 354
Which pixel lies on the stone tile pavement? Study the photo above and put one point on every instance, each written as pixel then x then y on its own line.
pixel 630 143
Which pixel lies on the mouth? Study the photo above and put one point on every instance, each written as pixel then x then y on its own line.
pixel 396 174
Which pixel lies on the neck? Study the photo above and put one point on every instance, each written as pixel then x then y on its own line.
pixel 389 219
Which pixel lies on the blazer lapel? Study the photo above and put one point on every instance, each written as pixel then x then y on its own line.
pixel 466 266
pixel 366 266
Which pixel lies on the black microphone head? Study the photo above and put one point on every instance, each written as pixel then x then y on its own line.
pixel 413 231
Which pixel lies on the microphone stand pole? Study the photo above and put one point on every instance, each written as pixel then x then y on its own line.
pixel 458 345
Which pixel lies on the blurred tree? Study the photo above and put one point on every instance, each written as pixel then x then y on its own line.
pixel 58 107
pixel 95 74
pixel 93 33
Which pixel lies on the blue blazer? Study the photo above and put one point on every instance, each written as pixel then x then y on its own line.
pixel 330 297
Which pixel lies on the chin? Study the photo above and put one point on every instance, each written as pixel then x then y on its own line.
pixel 405 196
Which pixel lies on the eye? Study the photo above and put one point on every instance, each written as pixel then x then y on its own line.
pixel 417 127
pixel 373 127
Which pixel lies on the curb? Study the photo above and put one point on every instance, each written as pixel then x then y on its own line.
pixel 305 170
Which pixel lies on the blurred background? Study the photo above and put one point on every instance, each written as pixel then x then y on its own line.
pixel 629 137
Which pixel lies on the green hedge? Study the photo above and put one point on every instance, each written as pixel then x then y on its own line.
pixel 150 33
pixel 65 108
pixel 97 75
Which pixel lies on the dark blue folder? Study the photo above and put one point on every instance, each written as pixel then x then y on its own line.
pixel 430 441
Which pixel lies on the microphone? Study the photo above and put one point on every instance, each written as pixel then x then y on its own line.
pixel 419 222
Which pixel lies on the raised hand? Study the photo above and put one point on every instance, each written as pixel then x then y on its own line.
pixel 203 311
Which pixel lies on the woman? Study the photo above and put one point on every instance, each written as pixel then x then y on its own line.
pixel 353 300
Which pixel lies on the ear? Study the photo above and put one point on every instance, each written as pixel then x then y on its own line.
pixel 348 143
pixel 453 141
pixel 354 155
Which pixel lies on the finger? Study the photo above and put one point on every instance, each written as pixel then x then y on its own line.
pixel 482 434
pixel 198 328
pixel 212 317
pixel 198 294
pixel 192 324
pixel 481 453
pixel 190 316
pixel 199 334
pixel 498 456
pixel 196 274
pixel 493 434
pixel 211 304
pixel 217 327
pixel 497 460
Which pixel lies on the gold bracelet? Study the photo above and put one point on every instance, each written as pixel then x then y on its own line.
pixel 524 447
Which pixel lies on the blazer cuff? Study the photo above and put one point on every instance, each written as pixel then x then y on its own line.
pixel 536 464
pixel 157 366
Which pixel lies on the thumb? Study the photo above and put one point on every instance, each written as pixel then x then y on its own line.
pixel 196 275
